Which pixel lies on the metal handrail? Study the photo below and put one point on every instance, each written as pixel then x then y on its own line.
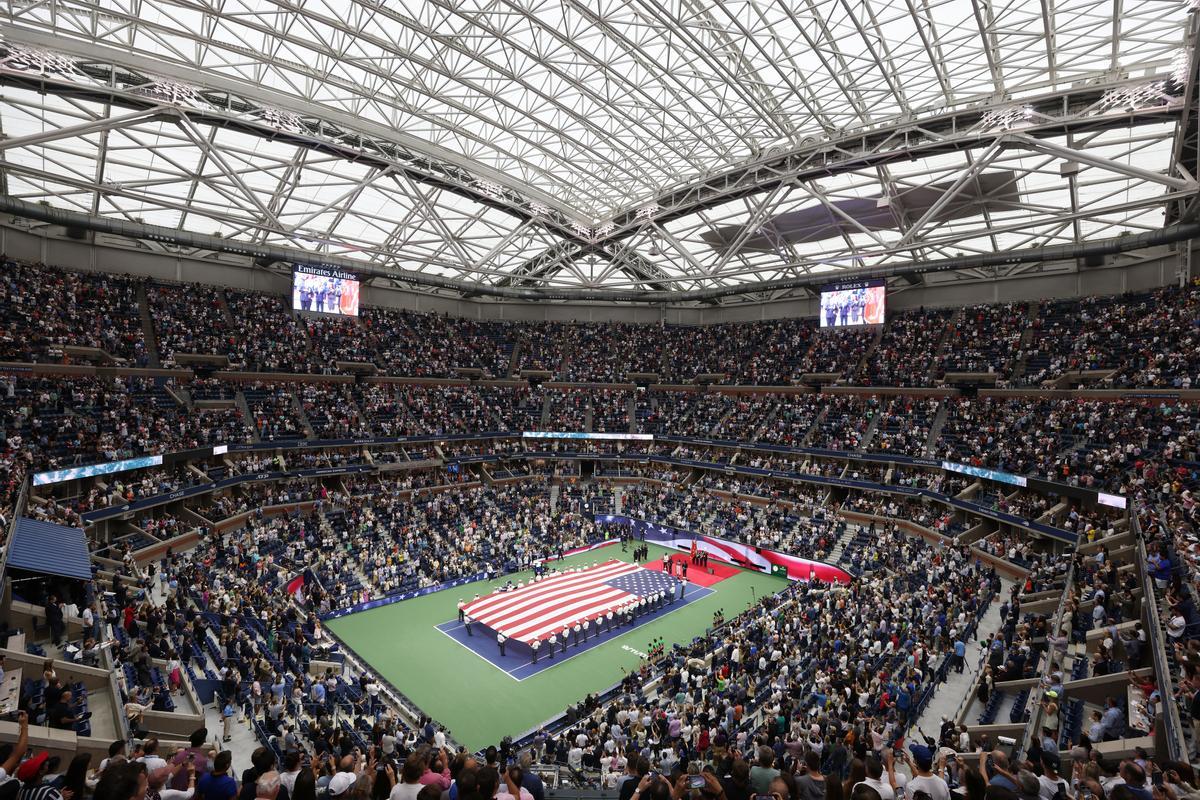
pixel 1036 693
pixel 18 512
pixel 1172 726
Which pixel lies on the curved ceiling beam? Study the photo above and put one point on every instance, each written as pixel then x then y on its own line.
pixel 141 231
pixel 1077 110
pixel 237 104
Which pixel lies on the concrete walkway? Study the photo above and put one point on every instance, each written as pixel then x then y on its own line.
pixel 950 695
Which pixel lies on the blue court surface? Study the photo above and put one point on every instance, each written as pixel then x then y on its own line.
pixel 517 662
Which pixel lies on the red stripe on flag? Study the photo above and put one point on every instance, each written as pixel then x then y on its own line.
pixel 542 608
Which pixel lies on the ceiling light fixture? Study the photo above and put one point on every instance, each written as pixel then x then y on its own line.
pixel 1006 119
pixel 1131 98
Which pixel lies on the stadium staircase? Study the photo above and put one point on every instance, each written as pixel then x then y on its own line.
pixel 589 416
pixel 632 413
pixel 688 414
pixel 184 394
pixel 244 407
pixel 1173 666
pixel 869 436
pixel 955 698
pixel 724 418
pixel 766 423
pixel 143 303
pixel 545 418
pixel 308 346
pixel 514 358
pixel 298 410
pixel 942 345
pixel 861 367
pixel 818 420
pixel 223 303
pixel 1019 365
pixel 560 372
pixel 935 430
pixel 353 407
pixel 839 547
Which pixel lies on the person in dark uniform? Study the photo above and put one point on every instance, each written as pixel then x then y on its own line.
pixel 54 618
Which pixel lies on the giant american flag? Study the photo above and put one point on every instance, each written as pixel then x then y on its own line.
pixel 545 607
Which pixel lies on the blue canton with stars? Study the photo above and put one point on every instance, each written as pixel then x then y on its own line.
pixel 644 582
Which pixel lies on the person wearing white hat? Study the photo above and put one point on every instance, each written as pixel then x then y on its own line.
pixel 341 783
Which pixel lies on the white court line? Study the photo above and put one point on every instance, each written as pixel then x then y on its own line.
pixel 541 659
pixel 475 653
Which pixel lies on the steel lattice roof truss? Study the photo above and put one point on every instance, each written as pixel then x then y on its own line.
pixel 615 144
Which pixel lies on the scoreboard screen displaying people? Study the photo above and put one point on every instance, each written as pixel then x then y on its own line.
pixel 318 290
pixel 857 303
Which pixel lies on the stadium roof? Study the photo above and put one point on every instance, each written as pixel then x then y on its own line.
pixel 50 549
pixel 619 144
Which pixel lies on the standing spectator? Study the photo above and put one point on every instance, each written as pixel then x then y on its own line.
pixel 923 780
pixel 218 784
pixel 194 753
pixel 31 775
pixel 228 715
pixel 762 773
pixel 54 618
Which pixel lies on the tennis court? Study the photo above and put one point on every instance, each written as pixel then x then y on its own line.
pixel 481 697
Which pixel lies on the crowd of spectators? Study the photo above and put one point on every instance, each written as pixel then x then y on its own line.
pixel 840 671
pixel 192 320
pixel 1164 340
pixel 986 339
pixel 47 309
pixel 1078 335
pixel 777 522
pixel 610 411
pixel 908 349
pixel 1142 340
pixel 836 673
pixel 61 422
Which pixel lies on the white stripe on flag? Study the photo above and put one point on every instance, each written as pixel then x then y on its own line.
pixel 538 616
pixel 539 599
pixel 539 609
pixel 588 611
pixel 549 588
